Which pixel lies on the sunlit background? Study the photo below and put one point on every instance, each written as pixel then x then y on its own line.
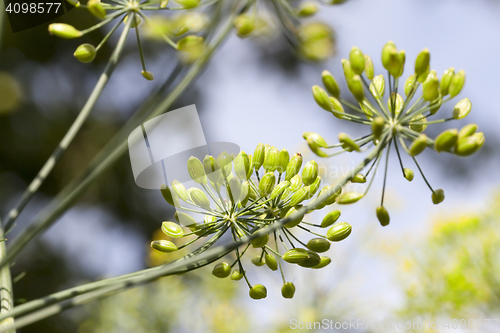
pixel 431 262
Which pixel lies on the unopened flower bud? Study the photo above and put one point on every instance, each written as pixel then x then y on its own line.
pixel 383 216
pixel 64 31
pixel 348 143
pixel 359 178
pixel 271 262
pixel 258 261
pixel 288 290
pixel 148 75
pixel 319 245
pixel 462 108
pixel 422 62
pixel 169 195
pixel 260 241
pixel 244 25
pixel 457 83
pixel 446 141
pixel 410 84
pixel 321 98
pixel 357 60
pixel 409 174
pixel 236 275
pixel 258 157
pixel 164 246
pixel 369 70
pixel 313 260
pixel 222 270
pixel 378 126
pixel 446 80
pixel 294 166
pixel 307 8
pixel 348 198
pixel 95 8
pixel 437 196
pixel 295 256
pixel 467 130
pixel 430 89
pixel 180 190
pixel 172 229
pixel 330 218
pixel 339 231
pixel 418 145
pixel 356 88
pixel 266 184
pixel 85 53
pixel 258 291
pixel 310 172
pixel 325 261
pixel 330 83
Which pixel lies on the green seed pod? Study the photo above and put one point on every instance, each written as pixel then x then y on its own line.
pixel 378 126
pixel 339 231
pixel 377 87
pixel 242 165
pixel 321 98
pixel 259 241
pixel 422 62
pixel 409 174
pixel 325 261
pixel 446 141
pixel 236 275
pixel 315 148
pixel 410 84
pixel 299 196
pixel 271 160
pixel 330 83
pixel 85 53
pixel 313 260
pixel 180 190
pixel 199 229
pixel 435 105
pixel 307 8
pixel 422 77
pixel 437 196
pixel 196 171
pixel 336 108
pixel 367 109
pixel 316 138
pixel 314 187
pixel 258 157
pixel 222 270
pixel 164 246
pixel 467 131
pixel 469 145
pixel 430 89
pixel 356 88
pixel 418 145
pixel 188 3
pixel 348 143
pixel 295 222
pixel 288 290
pixel 266 184
pixel 295 256
pixel 457 83
pixel 279 189
pixel 294 166
pixel 348 72
pixel 389 47
pixel 244 25
pixel 395 103
pixel 383 216
pixel 359 178
pixel 271 262
pixel 258 291
pixel 397 63
pixel 63 30
pixel 330 218
pixel 225 162
pixel 148 75
pixel 348 198
pixel 357 60
pixel 169 195
pixel 137 22
pixel 333 198
pixel 446 80
pixel 95 8
pixel 258 261
pixel 295 183
pixel 245 193
pixel 462 108
pixel 310 172
pixel 172 229
pixel 369 70
pixel 283 160
pixel 212 169
pixel 199 197
pixel 479 137
pixel 414 123
pixel 184 218
pixel 319 245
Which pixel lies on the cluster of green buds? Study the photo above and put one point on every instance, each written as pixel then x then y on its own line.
pixel 123 11
pixel 241 194
pixel 397 121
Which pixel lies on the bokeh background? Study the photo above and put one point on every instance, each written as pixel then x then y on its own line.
pixel 431 262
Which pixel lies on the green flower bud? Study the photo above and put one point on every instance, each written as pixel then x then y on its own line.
pixel 169 196
pixel 437 196
pixel 148 75
pixel 283 160
pixel 316 138
pixel 184 218
pixel 378 126
pixel 294 166
pixel 414 123
pixel 330 84
pixel 221 270
pixel 266 184
pixel 271 262
pixel 348 72
pixel 377 87
pixel 446 141
pixel 410 84
pixel 212 169
pixel 462 108
pixel 357 60
pixel 418 145
pixel 356 88
pixel 430 89
pixel 348 143
pixel 296 256
pixel 457 83
pixel 314 187
pixel 386 54
pixel 196 171
pixel 409 174
pixel 225 162
pixel 236 275
pixel 288 290
pixel 339 231
pixel 199 197
pixel 307 8
pixel 313 260
pixel 295 183
pixel 137 22
pixel 164 246
pixel 467 130
pixel 469 145
pixel 279 189
pixel 336 108
pixel 319 245
pixel 259 241
pixel 172 229
pixel 397 63
pixel 359 178
pixel 446 80
pixel 188 3
pixel 244 25
pixel 85 53
pixel 258 291
pixel 242 165
pixel 310 172
pixel 325 261
pixel 369 70
pixel 180 190
pixel 64 31
pixel 258 261
pixel 422 77
pixel 258 157
pixel 295 222
pixel 271 160
pixel 348 198
pixel 383 216
pixel 299 196
pixel 330 218
pixel 422 62
pixel 95 8
pixel 321 98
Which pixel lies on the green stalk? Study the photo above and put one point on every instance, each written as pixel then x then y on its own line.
pixel 6 297
pixel 73 130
